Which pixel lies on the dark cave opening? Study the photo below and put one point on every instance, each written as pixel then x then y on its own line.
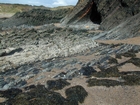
pixel 95 16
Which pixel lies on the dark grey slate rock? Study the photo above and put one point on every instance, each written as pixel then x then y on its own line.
pixel 35 71
pixel 22 74
pixel 61 64
pixel 68 75
pixel 11 84
pixel 2 82
pixel 27 68
pixel 72 73
pixel 40 77
pixel 103 59
pixel 47 65
pixel 10 72
pixel 79 63
pixel 60 75
pixel 9 79
pixel 87 71
pixel 20 83
pixel 136 48
pixel 46 70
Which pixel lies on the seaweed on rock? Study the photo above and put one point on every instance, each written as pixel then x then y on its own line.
pixel 76 94
pixel 112 60
pixel 115 45
pixel 131 79
pixel 10 93
pixel 129 54
pixel 57 84
pixel 135 61
pixel 29 87
pixel 103 82
pixel 109 72
pixel 118 56
pixel 39 95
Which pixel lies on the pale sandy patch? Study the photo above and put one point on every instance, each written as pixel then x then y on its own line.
pixel 123 59
pixel 58 25
pixel 6 15
pixel 95 31
pixel 2 99
pixel 138 55
pixel 135 40
pixel 129 67
pixel 84 58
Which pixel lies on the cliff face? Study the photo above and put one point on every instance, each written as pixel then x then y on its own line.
pixel 114 12
pixel 80 12
pixel 108 13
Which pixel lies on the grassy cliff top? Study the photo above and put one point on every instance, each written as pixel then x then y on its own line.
pixel 13 8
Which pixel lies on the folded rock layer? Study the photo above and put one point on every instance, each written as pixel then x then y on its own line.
pixel 108 13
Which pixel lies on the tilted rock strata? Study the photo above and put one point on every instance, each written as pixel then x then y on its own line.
pixel 108 13
pixel 39 44
pixel 82 8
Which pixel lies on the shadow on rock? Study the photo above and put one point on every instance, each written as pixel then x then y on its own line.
pixel 11 52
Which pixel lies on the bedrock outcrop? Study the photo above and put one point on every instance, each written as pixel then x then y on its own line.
pixel 108 13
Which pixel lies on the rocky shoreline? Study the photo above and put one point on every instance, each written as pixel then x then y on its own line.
pixel 68 64
pixel 84 58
